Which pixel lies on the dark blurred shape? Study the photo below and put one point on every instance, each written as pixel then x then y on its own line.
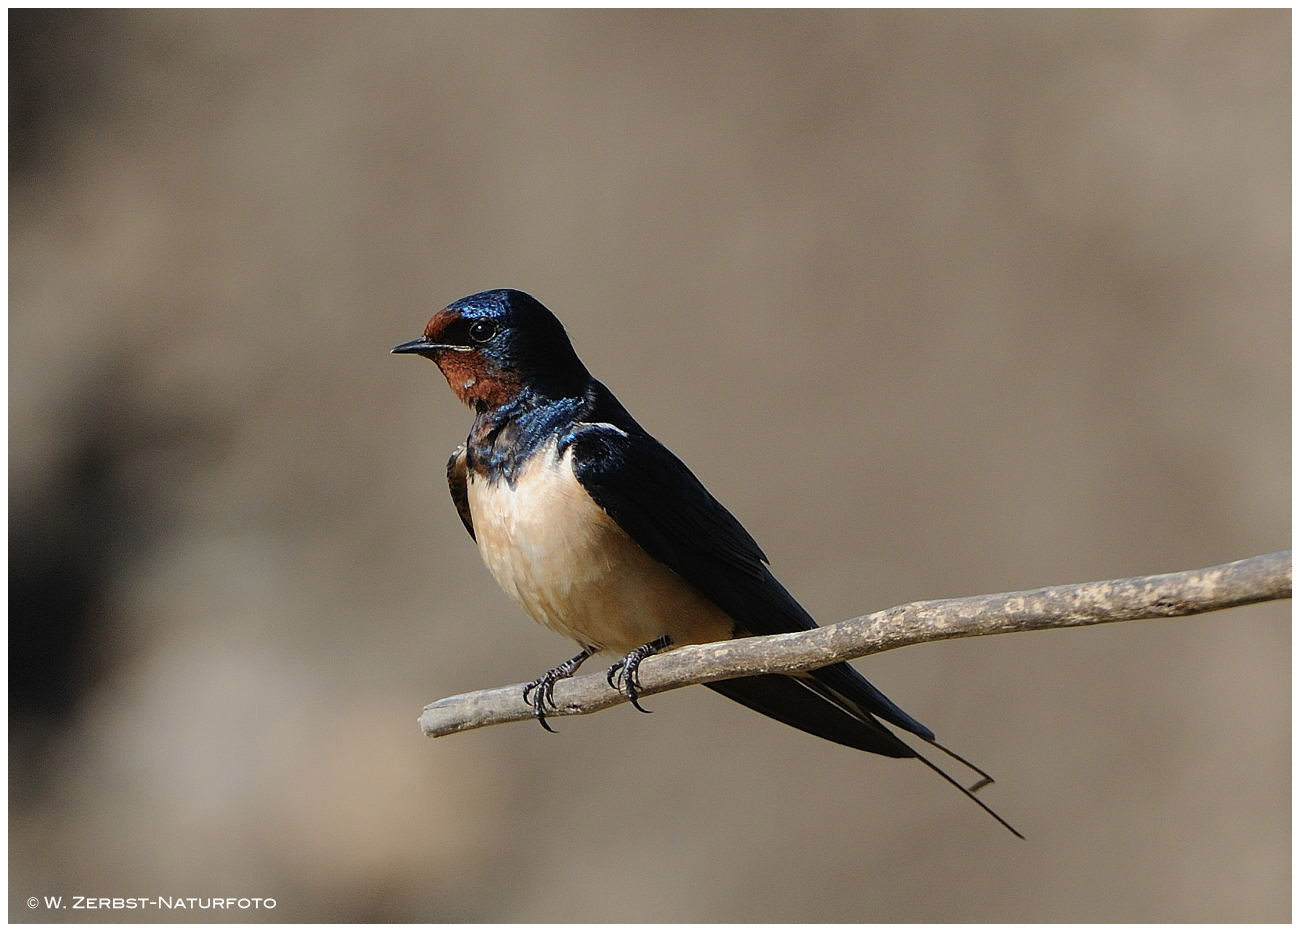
pixel 59 550
pixel 52 76
pixel 90 514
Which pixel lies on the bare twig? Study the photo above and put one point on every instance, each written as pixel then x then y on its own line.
pixel 1256 579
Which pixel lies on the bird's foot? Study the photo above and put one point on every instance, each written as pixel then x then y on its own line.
pixel 543 688
pixel 622 675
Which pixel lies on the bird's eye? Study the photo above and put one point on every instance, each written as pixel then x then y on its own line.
pixel 482 330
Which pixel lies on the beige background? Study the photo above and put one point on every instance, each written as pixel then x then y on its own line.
pixel 938 303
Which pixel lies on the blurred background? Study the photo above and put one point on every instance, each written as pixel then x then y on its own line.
pixel 939 303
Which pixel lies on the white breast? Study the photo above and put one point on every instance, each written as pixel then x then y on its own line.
pixel 564 561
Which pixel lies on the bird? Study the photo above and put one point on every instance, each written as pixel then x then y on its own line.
pixel 601 534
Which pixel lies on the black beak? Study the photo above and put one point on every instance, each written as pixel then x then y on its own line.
pixel 420 347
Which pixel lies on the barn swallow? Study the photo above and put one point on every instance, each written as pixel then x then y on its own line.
pixel 602 535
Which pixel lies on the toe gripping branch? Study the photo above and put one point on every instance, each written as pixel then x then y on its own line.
pixel 543 688
pixel 623 675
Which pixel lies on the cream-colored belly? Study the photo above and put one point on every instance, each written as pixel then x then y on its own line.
pixel 569 566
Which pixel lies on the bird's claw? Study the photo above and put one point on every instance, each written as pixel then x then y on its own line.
pixel 623 676
pixel 543 688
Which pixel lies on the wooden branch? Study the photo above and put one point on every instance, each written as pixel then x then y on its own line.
pixel 1256 579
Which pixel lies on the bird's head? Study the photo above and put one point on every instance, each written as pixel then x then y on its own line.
pixel 496 346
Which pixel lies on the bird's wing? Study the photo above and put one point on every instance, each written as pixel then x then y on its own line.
pixel 457 479
pixel 659 503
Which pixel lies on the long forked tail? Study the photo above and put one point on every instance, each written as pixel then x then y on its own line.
pixel 985 777
pixel 846 687
pixel 970 793
pixel 812 705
